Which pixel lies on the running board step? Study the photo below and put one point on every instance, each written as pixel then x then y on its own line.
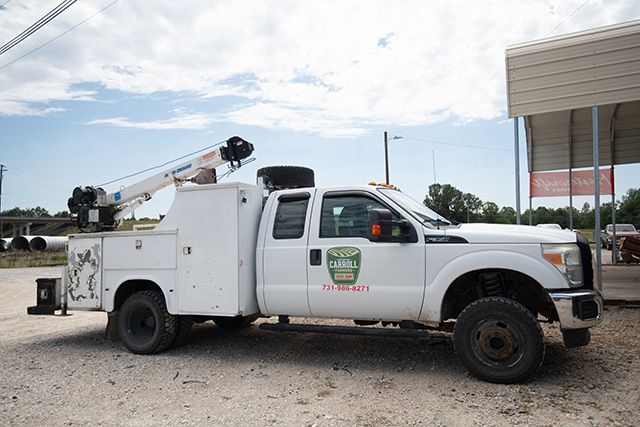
pixel 345 330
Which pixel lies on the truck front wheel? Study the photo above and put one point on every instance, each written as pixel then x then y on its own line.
pixel 145 325
pixel 499 340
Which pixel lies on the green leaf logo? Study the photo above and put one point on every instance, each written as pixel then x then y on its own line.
pixel 344 265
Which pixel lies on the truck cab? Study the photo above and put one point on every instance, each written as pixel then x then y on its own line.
pixel 315 259
pixel 372 254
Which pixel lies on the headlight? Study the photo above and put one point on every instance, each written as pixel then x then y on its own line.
pixel 566 258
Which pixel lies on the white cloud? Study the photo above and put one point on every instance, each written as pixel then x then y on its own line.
pixel 334 68
pixel 181 121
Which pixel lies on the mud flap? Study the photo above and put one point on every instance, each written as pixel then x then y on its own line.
pixel 111 332
pixel 576 337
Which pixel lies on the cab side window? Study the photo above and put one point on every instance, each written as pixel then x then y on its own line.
pixel 290 218
pixel 347 216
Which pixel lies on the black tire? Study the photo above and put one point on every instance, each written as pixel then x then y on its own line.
pixel 281 177
pixel 183 327
pixel 145 325
pixel 233 322
pixel 499 340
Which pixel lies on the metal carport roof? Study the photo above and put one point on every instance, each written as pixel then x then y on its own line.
pixel 555 83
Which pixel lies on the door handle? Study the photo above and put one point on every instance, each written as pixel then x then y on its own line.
pixel 315 257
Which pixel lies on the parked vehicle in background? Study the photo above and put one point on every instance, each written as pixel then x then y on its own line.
pixel 622 231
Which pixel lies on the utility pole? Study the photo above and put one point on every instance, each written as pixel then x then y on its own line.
pixel 1 221
pixel 386 157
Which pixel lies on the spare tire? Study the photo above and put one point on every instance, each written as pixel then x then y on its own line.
pixel 282 177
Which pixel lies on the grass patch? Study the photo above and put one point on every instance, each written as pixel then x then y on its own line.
pixel 25 259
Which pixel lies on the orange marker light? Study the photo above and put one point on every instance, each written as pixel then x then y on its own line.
pixel 554 258
pixel 376 229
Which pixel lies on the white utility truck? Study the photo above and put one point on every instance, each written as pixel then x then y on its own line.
pixel 234 252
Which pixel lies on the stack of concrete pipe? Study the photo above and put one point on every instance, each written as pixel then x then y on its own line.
pixel 21 243
pixel 5 244
pixel 47 243
pixel 34 243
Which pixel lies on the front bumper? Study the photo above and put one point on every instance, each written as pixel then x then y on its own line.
pixel 578 309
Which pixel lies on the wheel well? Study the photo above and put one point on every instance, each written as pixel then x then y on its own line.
pixel 511 284
pixel 126 289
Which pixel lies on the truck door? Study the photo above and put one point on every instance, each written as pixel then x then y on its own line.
pixel 282 261
pixel 349 276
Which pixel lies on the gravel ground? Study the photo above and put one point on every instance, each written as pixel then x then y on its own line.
pixel 62 371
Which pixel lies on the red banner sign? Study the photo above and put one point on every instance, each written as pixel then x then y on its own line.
pixel 552 184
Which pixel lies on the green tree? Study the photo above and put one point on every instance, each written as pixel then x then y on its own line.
pixel 453 204
pixel 491 213
pixel 473 206
pixel 37 212
pixel 508 215
pixel 586 218
pixel 447 201
pixel 629 211
pixel 457 206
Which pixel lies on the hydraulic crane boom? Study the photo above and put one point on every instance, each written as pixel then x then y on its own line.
pixel 99 211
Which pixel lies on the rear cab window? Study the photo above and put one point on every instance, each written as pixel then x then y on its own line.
pixel 289 222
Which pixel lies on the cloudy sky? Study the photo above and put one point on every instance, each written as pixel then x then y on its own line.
pixel 109 88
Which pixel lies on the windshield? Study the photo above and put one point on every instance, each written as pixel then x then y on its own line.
pixel 622 228
pixel 417 210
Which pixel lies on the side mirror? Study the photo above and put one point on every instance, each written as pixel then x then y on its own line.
pixel 381 225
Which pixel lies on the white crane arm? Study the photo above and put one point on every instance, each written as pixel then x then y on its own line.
pixel 98 211
pixel 177 175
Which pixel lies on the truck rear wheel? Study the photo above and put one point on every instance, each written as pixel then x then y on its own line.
pixel 145 325
pixel 281 177
pixel 499 340
pixel 183 326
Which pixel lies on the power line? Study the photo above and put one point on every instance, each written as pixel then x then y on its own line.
pixel 31 180
pixel 38 198
pixel 162 165
pixel 39 24
pixel 566 19
pixel 57 37
pixel 509 150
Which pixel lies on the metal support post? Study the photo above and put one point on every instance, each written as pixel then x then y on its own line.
pixel 386 157
pixel 516 139
pixel 596 172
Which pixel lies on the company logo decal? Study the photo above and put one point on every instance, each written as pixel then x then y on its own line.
pixel 344 265
pixel 180 169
